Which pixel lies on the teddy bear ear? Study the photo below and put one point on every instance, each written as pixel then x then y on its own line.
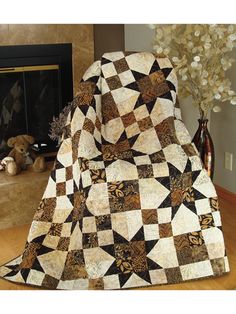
pixel 29 139
pixel 11 141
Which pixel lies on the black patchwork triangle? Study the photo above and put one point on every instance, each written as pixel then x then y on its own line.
pixel 166 71
pixel 188 167
pixel 36 265
pixel 24 273
pixel 155 67
pixel 150 105
pixel 144 275
pixel 44 250
pixel 84 109
pixel 112 270
pixel 173 171
pixel 118 238
pixel 167 96
pixel 149 245
pixel 166 202
pixel 198 195
pixel 139 102
pixel 152 265
pixel 138 75
pixel 105 61
pixel 191 206
pixel 165 181
pixel 133 86
pixel 174 211
pixel 109 249
pixel 123 278
pixel 195 175
pixel 171 86
pixel 139 236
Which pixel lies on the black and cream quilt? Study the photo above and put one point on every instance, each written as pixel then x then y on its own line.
pixel 128 203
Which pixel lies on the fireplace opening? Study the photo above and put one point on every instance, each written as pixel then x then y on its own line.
pixel 35 84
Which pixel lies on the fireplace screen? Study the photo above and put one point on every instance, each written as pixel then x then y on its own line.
pixel 29 98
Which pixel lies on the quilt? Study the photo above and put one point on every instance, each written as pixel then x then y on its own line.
pixel 128 203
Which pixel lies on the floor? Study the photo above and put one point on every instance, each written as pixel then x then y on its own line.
pixel 12 243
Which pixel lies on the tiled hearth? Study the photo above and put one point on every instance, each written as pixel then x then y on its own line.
pixel 20 196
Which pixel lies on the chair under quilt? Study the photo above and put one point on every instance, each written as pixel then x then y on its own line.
pixel 128 203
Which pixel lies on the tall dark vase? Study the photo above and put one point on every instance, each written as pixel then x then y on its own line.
pixel 203 141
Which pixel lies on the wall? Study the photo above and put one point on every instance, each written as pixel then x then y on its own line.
pixel 107 38
pixel 138 37
pixel 80 35
pixel 223 130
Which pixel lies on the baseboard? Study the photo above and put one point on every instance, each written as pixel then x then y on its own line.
pixel 225 194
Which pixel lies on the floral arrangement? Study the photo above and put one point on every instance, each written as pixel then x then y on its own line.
pixel 201 55
pixel 58 123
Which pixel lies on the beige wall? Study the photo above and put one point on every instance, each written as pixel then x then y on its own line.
pixel 223 130
pixel 80 35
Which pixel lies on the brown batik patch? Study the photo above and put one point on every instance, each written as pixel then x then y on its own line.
pixel 88 126
pixel 90 240
pixel 218 266
pixel 188 255
pixel 157 157
pixel 69 173
pixel 50 282
pixel 122 188
pixel 128 119
pixel 109 108
pixel 61 188
pixel 145 124
pixel 149 216
pixel 186 180
pixel 74 266
pixel 176 197
pixel 45 210
pixel 214 203
pixel 123 258
pixel 181 242
pixel 138 256
pixel 55 229
pixel 206 221
pixel 98 176
pixel 145 171
pixel 195 238
pixel 173 275
pixel 98 124
pixel 165 230
pixel 117 204
pixel 103 222
pixel 96 284
pixel 189 150
pixel 188 195
pixel 83 163
pixel 75 145
pixel 122 146
pixel 175 183
pixel 63 244
pixel 157 77
pixel 29 255
pixel 148 91
pixel 121 65
pixel 166 132
pixel 113 82
pixel 162 88
pixel 132 202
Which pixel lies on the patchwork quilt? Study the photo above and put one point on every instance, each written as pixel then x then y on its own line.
pixel 128 203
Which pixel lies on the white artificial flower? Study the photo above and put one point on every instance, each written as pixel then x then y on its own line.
pixel 196 58
pixel 216 109
pixel 233 101
pixel 194 64
pixel 217 96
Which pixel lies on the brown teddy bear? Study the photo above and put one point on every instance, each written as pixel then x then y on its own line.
pixel 23 156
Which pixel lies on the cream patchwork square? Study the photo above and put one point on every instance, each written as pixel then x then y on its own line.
pixel 61 175
pixel 151 232
pixel 158 276
pixel 89 225
pixel 86 178
pixel 160 169
pixel 132 129
pixel 69 187
pixel 142 160
pixel 126 77
pixel 141 112
pixel 109 70
pixel 105 237
pixel 164 215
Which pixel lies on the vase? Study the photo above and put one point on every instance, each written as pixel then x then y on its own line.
pixel 203 142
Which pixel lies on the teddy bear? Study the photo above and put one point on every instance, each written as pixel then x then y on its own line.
pixel 23 156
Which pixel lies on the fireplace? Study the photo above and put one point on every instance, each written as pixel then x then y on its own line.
pixel 35 84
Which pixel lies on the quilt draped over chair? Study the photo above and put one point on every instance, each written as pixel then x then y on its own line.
pixel 128 203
